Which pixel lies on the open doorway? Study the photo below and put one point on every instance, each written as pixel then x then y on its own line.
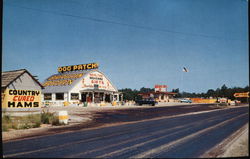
pixel 107 98
pixel 84 97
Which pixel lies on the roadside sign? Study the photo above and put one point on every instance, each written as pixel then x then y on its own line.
pixel 245 94
pixel 21 99
pixel 160 88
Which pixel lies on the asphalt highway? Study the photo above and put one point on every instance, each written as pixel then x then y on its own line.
pixel 181 136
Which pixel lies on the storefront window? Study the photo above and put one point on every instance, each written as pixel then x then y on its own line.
pixel 74 96
pixel 47 96
pixel 59 96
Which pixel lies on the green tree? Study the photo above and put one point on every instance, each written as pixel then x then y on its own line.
pixel 210 93
pixel 146 90
pixel 178 95
pixel 223 90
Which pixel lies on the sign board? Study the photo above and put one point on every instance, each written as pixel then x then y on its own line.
pixel 160 88
pixel 62 80
pixel 21 98
pixel 245 94
pixel 222 100
pixel 96 80
pixel 77 67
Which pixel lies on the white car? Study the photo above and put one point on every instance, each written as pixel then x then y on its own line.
pixel 185 101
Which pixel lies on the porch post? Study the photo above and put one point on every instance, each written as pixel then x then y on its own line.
pixel 93 97
pixel 104 96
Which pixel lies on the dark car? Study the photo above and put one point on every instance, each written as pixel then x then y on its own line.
pixel 149 101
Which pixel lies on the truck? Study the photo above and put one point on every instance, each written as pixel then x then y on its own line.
pixel 149 101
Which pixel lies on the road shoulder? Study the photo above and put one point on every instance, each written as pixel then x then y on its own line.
pixel 236 145
pixel 239 147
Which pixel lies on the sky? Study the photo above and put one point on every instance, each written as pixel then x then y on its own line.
pixel 137 43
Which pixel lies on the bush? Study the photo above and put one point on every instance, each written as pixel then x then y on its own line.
pixel 55 120
pixel 47 117
pixel 6 118
pixel 8 123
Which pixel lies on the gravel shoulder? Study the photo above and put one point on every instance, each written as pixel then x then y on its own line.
pixel 238 147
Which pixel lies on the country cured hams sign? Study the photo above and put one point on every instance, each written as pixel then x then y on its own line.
pixel 21 98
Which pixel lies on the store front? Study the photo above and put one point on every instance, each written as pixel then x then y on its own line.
pixel 96 96
pixel 78 84
pixel 160 94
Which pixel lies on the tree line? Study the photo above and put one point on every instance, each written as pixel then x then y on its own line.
pixel 223 91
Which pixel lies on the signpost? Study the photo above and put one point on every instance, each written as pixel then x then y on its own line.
pixel 242 95
pixel 245 94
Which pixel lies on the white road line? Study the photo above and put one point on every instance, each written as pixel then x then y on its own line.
pixel 140 144
pixel 123 142
pixel 81 141
pixel 127 141
pixel 181 140
pixel 130 122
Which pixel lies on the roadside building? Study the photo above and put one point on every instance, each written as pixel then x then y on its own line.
pixel 21 92
pixel 79 84
pixel 160 94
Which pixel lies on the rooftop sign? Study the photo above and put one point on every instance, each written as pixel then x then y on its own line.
pixel 160 88
pixel 77 67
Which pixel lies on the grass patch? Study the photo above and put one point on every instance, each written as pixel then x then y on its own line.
pixel 20 122
pixel 6 123
pixel 49 118
pixel 29 121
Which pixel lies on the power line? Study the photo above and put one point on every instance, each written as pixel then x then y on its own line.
pixel 117 23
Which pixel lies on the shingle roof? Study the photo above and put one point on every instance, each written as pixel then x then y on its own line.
pixel 10 76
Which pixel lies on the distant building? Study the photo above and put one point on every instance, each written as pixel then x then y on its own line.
pixel 160 94
pixel 21 92
pixel 79 84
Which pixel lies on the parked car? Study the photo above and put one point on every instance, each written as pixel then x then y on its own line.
pixel 149 101
pixel 185 101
